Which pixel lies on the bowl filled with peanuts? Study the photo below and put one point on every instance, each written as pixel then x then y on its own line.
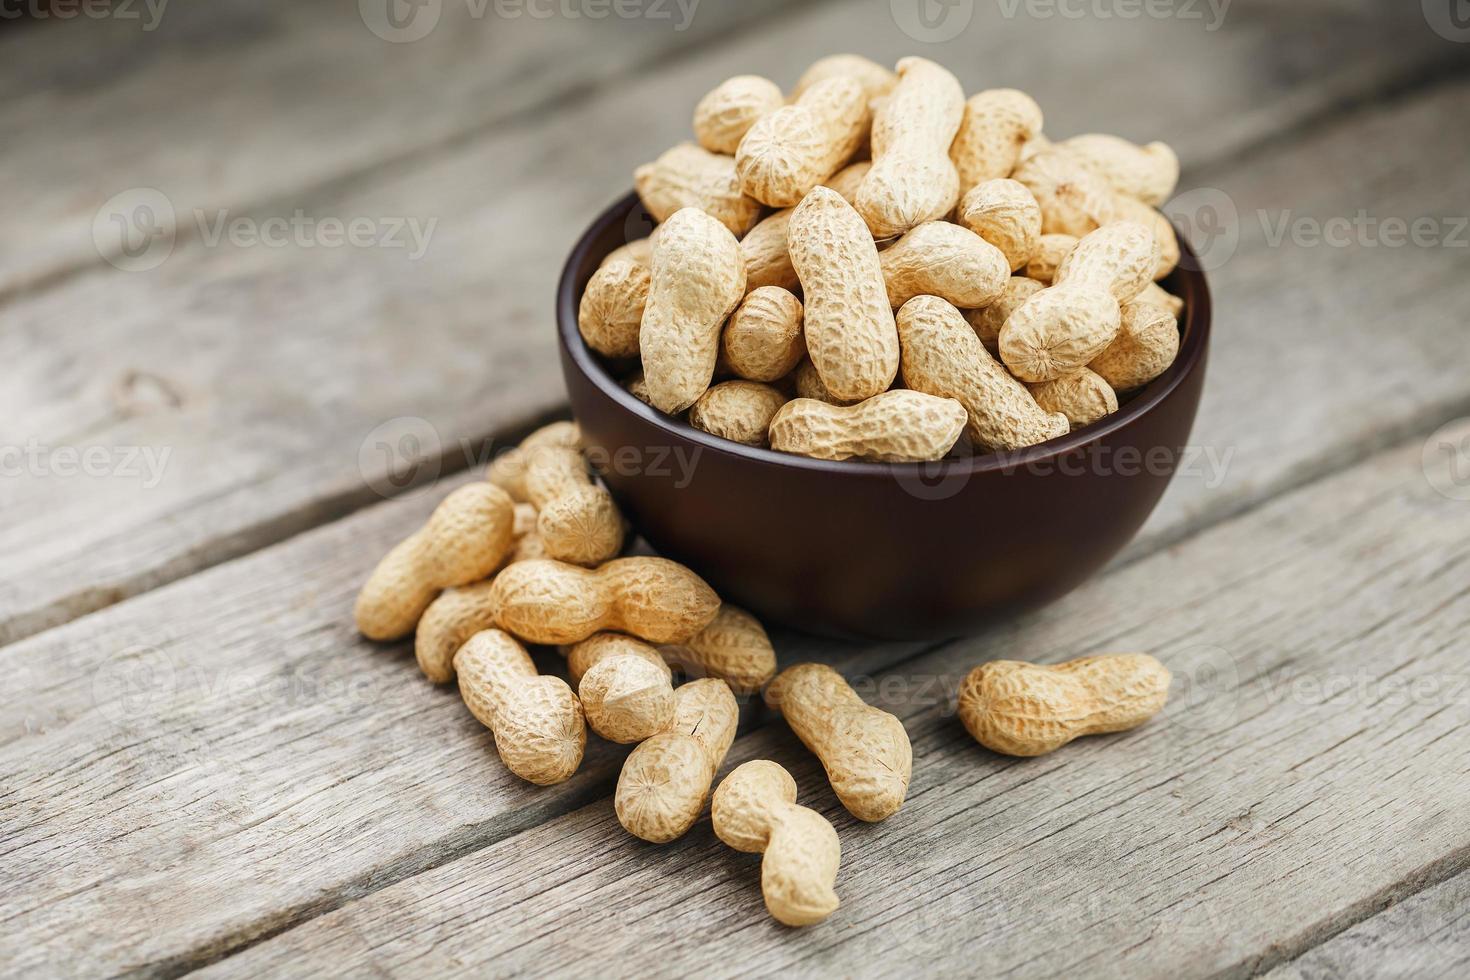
pixel 889 362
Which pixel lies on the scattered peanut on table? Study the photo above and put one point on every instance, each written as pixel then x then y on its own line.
pixel 870 267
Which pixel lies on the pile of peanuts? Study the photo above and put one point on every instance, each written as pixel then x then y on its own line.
pixel 884 270
pixel 532 555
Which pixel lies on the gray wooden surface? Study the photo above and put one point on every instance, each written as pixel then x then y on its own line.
pixel 216 772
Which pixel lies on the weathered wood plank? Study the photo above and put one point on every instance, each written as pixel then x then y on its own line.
pixel 188 785
pixel 234 103
pixel 262 372
pixel 1311 763
pixel 1424 937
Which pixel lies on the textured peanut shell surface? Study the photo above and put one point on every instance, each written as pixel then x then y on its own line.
pixel 689 176
pixel 767 258
pixel 876 80
pixel 553 602
pixel 865 750
pixel 537 720
pixel 1147 173
pixel 733 647
pixel 754 810
pixel 943 259
pixel 726 114
pixel 626 695
pixel 942 356
pixel 793 149
pixel 612 308
pixel 665 780
pixel 913 179
pixel 1082 396
pixel 577 521
pixel 764 340
pixel 988 321
pixel 740 411
pixel 1073 199
pixel 464 540
pixel 1027 709
pixel 995 125
pixel 508 470
pixel 698 278
pixel 898 426
pixel 1050 251
pixel 1128 209
pixel 808 384
pixel 1120 258
pixel 850 335
pixel 639 251
pixel 1005 214
pixel 451 619
pixel 1147 343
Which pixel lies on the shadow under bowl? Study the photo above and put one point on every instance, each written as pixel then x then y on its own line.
pixel 880 551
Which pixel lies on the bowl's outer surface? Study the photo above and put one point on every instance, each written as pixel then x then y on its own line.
pixel 879 551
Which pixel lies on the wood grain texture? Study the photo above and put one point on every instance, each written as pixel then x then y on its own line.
pixel 1424 937
pixel 237 104
pixel 1312 762
pixel 264 373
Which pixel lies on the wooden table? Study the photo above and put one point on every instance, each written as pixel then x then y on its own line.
pixel 205 768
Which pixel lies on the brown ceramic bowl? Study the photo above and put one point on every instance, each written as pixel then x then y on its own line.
pixel 877 550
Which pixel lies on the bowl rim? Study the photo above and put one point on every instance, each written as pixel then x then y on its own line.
pixel 1194 342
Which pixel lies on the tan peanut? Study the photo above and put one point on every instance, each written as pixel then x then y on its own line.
pixel 1128 209
pixel 754 810
pixel 913 180
pixel 448 623
pixel 808 384
pixel 464 540
pixel 508 470
pixel 689 176
pixel 725 115
pixel 942 356
pixel 1147 173
pixel 733 647
pixel 1065 326
pixel 865 750
pixel 638 388
pixel 537 720
pixel 638 251
pixel 1028 709
pixel 1073 199
pixel 898 426
pixel 552 602
pixel 942 259
pixel 626 689
pixel 790 151
pixel 767 258
pixel 764 340
pixel 850 336
pixel 698 278
pixel 1082 396
pixel 740 411
pixel 666 779
pixel 1005 214
pixel 1147 343
pixel 1031 148
pixel 612 308
pixel 576 520
pixel 995 125
pixel 988 321
pixel 1050 250
pixel 876 80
